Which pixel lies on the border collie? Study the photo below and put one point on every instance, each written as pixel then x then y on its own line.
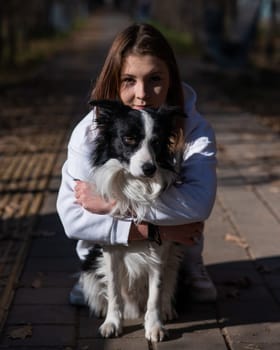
pixel 135 158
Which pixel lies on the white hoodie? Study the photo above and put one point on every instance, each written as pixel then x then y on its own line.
pixel 191 201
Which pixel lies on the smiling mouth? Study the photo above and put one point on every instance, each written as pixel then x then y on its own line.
pixel 141 107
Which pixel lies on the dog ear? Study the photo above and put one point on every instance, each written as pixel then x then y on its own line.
pixel 108 106
pixel 173 111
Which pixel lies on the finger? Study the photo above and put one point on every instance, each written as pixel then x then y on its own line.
pixel 79 187
pixel 78 202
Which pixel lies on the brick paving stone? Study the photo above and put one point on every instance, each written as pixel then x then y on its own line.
pixel 256 346
pixel 272 278
pixel 40 314
pixel 37 348
pixel 276 294
pixel 269 194
pixel 261 238
pixel 48 248
pixel 114 344
pixel 45 264
pixel 44 296
pixel 88 327
pixel 47 279
pixel 58 336
pixel 198 318
pixel 256 293
pixel 264 336
pixel 235 312
pixel 208 339
pixel 216 229
pixel 234 272
pixel 134 329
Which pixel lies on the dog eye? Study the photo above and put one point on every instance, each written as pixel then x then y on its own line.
pixel 129 140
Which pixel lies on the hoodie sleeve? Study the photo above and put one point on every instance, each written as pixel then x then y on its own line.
pixel 79 223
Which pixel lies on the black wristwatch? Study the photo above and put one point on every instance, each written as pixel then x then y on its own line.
pixel 154 234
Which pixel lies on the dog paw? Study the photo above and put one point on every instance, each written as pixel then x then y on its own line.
pixel 156 333
pixel 110 329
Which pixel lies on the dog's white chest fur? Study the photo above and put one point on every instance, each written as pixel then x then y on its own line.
pixel 144 153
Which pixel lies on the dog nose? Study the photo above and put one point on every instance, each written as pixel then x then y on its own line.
pixel 149 169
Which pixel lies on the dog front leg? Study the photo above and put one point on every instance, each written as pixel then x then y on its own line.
pixel 170 270
pixel 154 330
pixel 112 325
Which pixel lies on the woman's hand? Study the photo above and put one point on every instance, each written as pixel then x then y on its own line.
pixel 87 197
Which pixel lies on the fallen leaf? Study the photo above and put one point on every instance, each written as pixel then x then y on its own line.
pixel 21 332
pixel 252 347
pixel 241 242
pixel 221 148
pixel 274 189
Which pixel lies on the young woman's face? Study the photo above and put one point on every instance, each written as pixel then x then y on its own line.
pixel 144 81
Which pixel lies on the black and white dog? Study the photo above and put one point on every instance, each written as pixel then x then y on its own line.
pixel 134 160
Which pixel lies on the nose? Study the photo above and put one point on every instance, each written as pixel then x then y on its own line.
pixel 149 169
pixel 141 90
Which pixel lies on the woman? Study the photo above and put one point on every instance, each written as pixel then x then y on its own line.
pixel 141 71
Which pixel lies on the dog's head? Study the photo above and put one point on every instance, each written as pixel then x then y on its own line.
pixel 141 140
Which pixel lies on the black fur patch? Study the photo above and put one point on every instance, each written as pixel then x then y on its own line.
pixel 121 131
pixel 90 263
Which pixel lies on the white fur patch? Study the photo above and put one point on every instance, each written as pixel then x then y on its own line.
pixel 133 194
pixel 145 153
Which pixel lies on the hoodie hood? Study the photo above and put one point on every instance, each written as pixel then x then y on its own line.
pixel 190 98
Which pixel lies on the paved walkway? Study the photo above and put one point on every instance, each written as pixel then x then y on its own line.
pixel 38 263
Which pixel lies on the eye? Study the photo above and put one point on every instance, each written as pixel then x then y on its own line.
pixel 129 140
pixel 127 81
pixel 155 78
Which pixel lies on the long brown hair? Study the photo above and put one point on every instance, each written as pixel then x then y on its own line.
pixel 140 39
